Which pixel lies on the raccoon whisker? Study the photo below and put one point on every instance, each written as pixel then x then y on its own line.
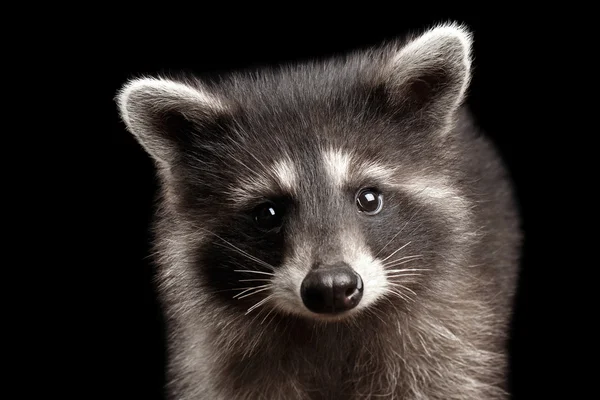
pixel 240 251
pixel 403 275
pixel 229 290
pixel 394 266
pixel 254 280
pixel 249 256
pixel 403 295
pixel 407 299
pixel 400 231
pixel 392 239
pixel 260 289
pixel 253 272
pixel 385 259
pixel 260 303
pixel 397 285
pixel 407 270
pixel 402 260
pixel 398 276
pixel 245 291
pixel 248 289
pixel 256 339
pixel 266 316
pixel 257 317
pixel 270 320
pixel 391 303
pixel 375 314
pixel 151 255
pixel 400 295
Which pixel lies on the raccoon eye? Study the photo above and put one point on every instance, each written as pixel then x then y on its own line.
pixel 268 217
pixel 369 201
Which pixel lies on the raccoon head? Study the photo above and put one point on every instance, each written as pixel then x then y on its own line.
pixel 318 190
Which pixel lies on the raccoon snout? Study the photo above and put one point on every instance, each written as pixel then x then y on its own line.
pixel 331 289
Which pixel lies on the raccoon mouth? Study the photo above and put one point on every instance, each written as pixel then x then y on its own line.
pixel 332 290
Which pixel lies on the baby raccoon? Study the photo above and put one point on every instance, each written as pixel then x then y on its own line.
pixel 336 229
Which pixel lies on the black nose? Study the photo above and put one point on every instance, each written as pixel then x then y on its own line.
pixel 331 289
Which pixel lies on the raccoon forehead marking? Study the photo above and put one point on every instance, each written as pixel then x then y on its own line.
pixel 343 167
pixel 337 165
pixel 437 190
pixel 286 174
pixel 281 176
pixel 373 170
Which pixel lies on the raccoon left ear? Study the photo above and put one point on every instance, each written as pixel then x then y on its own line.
pixel 430 74
pixel 164 114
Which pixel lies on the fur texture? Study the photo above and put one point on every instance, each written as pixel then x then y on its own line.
pixel 438 262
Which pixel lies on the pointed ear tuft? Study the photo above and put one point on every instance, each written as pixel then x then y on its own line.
pixel 161 113
pixel 431 72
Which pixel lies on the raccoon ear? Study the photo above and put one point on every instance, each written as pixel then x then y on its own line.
pixel 164 114
pixel 430 74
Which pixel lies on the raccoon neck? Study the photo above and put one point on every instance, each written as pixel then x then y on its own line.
pixel 328 360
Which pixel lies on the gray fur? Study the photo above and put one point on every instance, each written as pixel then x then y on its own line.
pixel 447 200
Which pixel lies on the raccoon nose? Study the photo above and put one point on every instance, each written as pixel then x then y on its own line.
pixel 331 289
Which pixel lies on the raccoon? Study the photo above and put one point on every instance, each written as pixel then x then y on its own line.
pixel 332 229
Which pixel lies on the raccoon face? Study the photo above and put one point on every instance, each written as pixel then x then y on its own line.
pixel 311 190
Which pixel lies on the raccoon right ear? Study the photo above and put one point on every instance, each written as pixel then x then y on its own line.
pixel 430 74
pixel 164 114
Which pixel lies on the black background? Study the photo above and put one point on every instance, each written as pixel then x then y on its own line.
pixel 125 354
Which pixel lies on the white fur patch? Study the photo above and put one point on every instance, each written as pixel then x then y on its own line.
pixel 249 188
pixel 376 171
pixel 436 190
pixel 371 271
pixel 288 278
pixel 285 173
pixel 337 165
pixel 257 182
pixel 342 167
